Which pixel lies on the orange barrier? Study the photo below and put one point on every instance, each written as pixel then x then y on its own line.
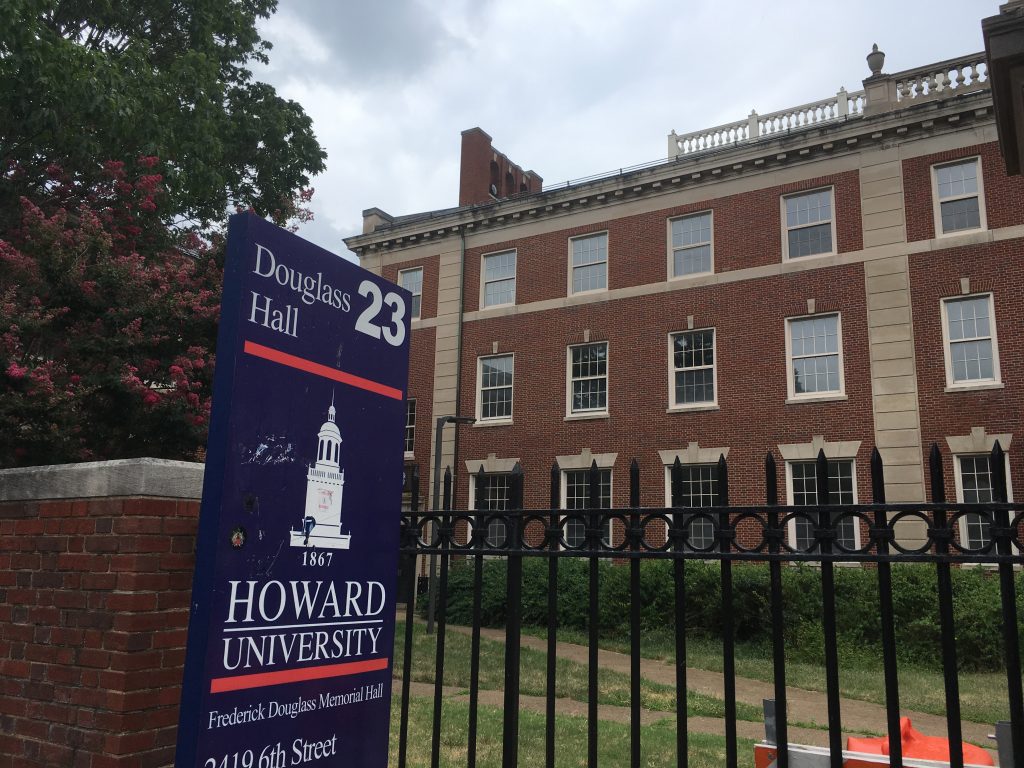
pixel 916 744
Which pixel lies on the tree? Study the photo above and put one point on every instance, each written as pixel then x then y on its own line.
pixel 107 328
pixel 85 81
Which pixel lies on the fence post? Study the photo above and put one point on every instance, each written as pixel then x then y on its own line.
pixel 554 542
pixel 826 532
pixel 882 535
pixel 477 541
pixel 1008 592
pixel 636 544
pixel 677 537
pixel 514 595
pixel 444 543
pixel 593 543
pixel 776 536
pixel 725 539
pixel 942 535
pixel 409 538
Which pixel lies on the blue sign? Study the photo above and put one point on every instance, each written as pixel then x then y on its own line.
pixel 293 612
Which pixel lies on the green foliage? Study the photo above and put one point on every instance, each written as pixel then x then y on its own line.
pixel 976 606
pixel 86 81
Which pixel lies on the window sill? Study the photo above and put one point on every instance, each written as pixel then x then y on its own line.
pixel 586 416
pixel 822 399
pixel 591 292
pixel 492 423
pixel 489 307
pixel 689 276
pixel 981 387
pixel 960 233
pixel 692 408
pixel 409 456
pixel 787 259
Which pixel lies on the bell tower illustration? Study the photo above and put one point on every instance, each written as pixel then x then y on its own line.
pixel 325 482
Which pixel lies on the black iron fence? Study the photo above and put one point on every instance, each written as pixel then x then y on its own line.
pixel 738 534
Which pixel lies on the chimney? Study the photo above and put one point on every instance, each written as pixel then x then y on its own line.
pixel 487 175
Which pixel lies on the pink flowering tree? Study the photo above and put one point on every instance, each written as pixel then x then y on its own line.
pixel 107 323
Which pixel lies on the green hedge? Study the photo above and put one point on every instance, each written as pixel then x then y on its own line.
pixel 976 606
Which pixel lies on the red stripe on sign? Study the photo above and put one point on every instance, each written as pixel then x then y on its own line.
pixel 301 364
pixel 263 679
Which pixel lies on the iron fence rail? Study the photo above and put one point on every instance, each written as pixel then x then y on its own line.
pixel 740 534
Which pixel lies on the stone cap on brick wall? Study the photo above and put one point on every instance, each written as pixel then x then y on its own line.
pixel 92 479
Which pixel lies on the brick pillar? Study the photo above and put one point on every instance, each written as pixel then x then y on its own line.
pixel 95 580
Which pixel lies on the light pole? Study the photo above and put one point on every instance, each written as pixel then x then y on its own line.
pixel 435 503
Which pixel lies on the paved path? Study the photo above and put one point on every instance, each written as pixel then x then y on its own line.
pixel 804 706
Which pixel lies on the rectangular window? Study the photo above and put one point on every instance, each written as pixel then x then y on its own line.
pixel 803 488
pixel 495 394
pixel 970 350
pixel 495 499
pixel 575 495
pixel 808 223
pixel 588 378
pixel 412 281
pixel 974 478
pixel 815 361
pixel 410 426
pixel 691 245
pixel 699 488
pixel 958 196
pixel 499 279
pixel 693 368
pixel 589 263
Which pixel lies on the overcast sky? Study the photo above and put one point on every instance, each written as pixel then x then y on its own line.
pixel 567 88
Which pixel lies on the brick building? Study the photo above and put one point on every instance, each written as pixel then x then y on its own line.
pixel 841 275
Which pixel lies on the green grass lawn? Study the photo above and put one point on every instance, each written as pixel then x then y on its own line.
pixel 570 677
pixel 657 741
pixel 983 695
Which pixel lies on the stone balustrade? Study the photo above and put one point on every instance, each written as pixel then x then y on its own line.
pixel 952 77
pixel 843 104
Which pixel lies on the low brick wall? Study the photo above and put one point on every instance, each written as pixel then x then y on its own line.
pixel 95 579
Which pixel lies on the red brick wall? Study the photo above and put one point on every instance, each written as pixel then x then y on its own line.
pixel 421 387
pixel 431 269
pixel 94 600
pixel 935 276
pixel 753 416
pixel 747 233
pixel 1004 195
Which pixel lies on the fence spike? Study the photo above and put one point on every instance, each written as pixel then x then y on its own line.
pixel 480 491
pixel 677 482
pixel 771 480
pixel 594 486
pixel 556 481
pixel 877 477
pixel 821 476
pixel 415 500
pixel 516 491
pixel 723 481
pixel 997 464
pixel 634 483
pixel 447 503
pixel 938 483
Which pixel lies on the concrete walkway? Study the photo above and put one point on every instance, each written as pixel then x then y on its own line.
pixel 858 717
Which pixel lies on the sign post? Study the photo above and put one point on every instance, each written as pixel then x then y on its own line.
pixel 292 618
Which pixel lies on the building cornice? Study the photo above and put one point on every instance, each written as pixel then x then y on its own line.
pixel 823 140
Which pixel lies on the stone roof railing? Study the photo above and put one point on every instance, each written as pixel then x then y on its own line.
pixel 882 92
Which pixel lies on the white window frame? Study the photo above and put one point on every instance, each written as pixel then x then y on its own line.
pixel 947 346
pixel 791 525
pixel 488 420
pixel 412 400
pixel 588 236
pixel 673 250
pixel 418 314
pixel 472 503
pixel 672 370
pixel 668 496
pixel 793 395
pixel 570 414
pixel 484 282
pixel 564 497
pixel 959 484
pixel 937 202
pixel 786 229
